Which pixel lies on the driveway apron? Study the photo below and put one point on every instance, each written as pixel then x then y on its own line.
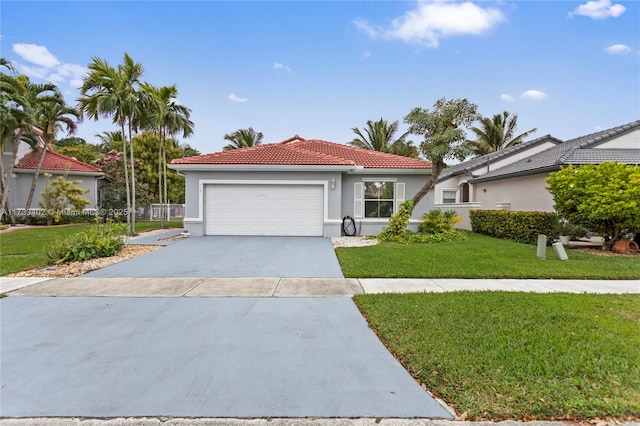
pixel 233 257
pixel 199 357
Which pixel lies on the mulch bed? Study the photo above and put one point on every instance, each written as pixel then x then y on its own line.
pixel 600 252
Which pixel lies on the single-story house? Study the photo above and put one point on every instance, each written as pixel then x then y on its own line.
pixel 297 187
pixel 514 179
pixel 55 164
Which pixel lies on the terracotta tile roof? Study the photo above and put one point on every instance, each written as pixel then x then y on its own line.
pixel 300 151
pixel 54 161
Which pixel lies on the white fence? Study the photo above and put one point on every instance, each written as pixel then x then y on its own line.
pixel 154 212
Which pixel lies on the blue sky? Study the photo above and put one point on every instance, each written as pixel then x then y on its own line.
pixel 320 68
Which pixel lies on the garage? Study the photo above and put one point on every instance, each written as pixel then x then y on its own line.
pixel 264 209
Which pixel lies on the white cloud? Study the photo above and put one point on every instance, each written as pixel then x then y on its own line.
pixel 506 98
pixel 235 98
pixel 40 73
pixel 599 9
pixel 45 67
pixel 278 66
pixel 618 48
pixel 35 54
pixel 535 95
pixel 71 73
pixel 431 21
pixel 366 54
pixel 367 28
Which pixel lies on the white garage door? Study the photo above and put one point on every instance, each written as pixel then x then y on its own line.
pixel 241 209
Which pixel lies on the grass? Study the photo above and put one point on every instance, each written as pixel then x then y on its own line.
pixel 501 355
pixel 23 249
pixel 479 257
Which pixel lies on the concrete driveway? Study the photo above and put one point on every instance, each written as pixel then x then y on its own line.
pixel 199 357
pixel 232 257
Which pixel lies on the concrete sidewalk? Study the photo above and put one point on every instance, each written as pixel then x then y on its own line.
pixel 291 287
pixel 156 421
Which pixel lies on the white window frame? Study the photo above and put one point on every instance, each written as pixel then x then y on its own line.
pixel 359 200
pixel 442 197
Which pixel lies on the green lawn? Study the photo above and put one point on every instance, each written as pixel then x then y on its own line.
pixel 479 257
pixel 501 355
pixel 23 249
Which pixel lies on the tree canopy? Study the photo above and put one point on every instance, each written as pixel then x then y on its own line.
pixel 443 133
pixel 604 197
pixel 497 133
pixel 243 138
pixel 380 136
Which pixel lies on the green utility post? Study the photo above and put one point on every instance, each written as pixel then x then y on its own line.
pixel 542 247
pixel 561 254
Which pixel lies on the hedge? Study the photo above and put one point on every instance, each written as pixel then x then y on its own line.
pixel 523 227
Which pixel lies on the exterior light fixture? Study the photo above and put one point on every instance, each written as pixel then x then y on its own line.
pixel 333 183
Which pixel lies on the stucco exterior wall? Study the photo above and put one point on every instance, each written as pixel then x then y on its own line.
pixel 413 183
pixel 628 140
pixel 526 193
pixel 340 202
pixel 22 185
pixel 451 184
pixel 454 183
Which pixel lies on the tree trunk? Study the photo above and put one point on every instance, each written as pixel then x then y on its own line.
pixel 133 185
pixel 436 169
pixel 166 196
pixel 160 191
pixel 6 179
pixel 34 181
pixel 126 178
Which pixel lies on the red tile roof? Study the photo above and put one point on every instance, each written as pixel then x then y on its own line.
pixel 54 161
pixel 300 151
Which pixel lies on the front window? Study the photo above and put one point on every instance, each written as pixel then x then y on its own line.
pixel 378 199
pixel 448 197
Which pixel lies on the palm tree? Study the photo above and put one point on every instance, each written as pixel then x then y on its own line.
pixel 497 133
pixel 52 115
pixel 17 118
pixel 404 149
pixel 107 92
pixel 109 141
pixel 243 138
pixel 379 136
pixel 168 118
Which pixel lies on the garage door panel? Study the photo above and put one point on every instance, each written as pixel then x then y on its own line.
pixel 239 209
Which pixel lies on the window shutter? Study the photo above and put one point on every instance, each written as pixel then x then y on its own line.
pixel 358 199
pixel 399 195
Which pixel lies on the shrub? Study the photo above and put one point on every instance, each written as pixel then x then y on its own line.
pixel 578 232
pixel 101 240
pixel 522 227
pixel 64 219
pixel 409 237
pixel 604 197
pixel 398 222
pixel 437 221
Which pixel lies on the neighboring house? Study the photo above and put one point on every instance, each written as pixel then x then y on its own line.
pixel 514 179
pixel 55 164
pixel 297 187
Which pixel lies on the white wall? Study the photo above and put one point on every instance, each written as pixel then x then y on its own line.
pixel 526 193
pixel 628 140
